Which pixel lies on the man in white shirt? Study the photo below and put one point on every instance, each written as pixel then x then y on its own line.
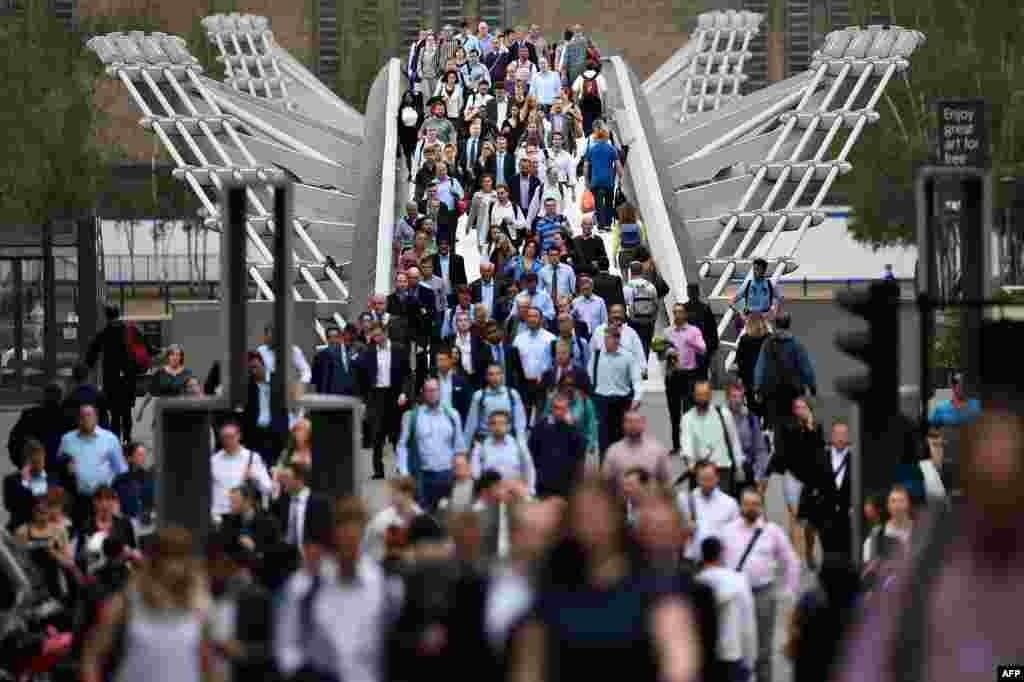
pixel 232 467
pixel 737 625
pixel 562 160
pixel 534 346
pixel 707 511
pixel 589 307
pixel 303 372
pixel 332 621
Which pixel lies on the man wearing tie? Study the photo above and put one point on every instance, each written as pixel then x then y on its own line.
pixel 496 110
pixel 831 516
pixel 504 164
pixel 332 366
pixel 484 290
pixel 470 152
pixel 557 278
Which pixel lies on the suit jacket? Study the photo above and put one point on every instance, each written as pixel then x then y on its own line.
pixel 514 50
pixel 445 221
pixel 401 371
pixel 476 292
pixel 515 189
pixel 417 311
pixel 18 501
pixel 514 375
pixel 330 375
pixel 263 528
pixel 119 367
pixel 465 166
pixel 609 287
pixel 250 419
pixel 835 502
pixel 510 169
pixel 462 394
pixel 456 269
pixel 582 379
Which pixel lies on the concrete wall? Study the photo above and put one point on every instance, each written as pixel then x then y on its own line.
pixel 197 326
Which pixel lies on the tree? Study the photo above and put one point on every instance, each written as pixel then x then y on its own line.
pixel 973 50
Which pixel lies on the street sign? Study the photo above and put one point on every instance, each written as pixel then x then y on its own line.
pixel 964 133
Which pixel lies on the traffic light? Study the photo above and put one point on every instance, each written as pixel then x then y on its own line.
pixel 878 390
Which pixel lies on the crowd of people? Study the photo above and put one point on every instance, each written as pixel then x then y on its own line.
pixel 535 529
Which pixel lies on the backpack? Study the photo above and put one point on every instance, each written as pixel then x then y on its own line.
pixel 644 307
pixel 629 235
pixel 778 373
pixel 482 410
pixel 137 348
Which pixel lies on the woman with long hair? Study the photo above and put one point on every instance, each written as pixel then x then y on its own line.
pixel 799 440
pixel 590 104
pixel 898 523
pixel 747 353
pixel 450 90
pixel 531 260
pixel 503 257
pixel 596 611
pixel 168 381
pixel 478 219
pixel 162 614
pixel 410 118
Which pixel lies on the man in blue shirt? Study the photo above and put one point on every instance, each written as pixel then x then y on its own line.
pixel 93 456
pixel 431 437
pixel 758 293
pixel 602 165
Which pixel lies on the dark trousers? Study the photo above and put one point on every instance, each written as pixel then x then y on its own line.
pixel 533 398
pixel 610 412
pixel 121 398
pixel 385 421
pixel 679 395
pixel 431 488
pixel 835 535
pixel 604 205
pixel 645 330
pixel 730 671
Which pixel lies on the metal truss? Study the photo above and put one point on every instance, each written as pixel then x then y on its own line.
pixel 791 134
pixel 213 138
pixel 709 69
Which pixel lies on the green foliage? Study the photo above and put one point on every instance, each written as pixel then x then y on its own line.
pixel 973 50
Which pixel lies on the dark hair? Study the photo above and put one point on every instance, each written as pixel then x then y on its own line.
pixel 487 480
pixel 112 311
pixel 80 372
pixel 711 550
pixel 424 528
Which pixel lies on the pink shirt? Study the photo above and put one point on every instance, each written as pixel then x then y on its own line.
pixel 687 341
pixel 771 549
pixel 649 455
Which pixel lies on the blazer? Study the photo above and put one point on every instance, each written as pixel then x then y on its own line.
pixel 582 379
pixel 417 311
pixel 515 189
pixel 511 170
pixel 462 394
pixel 330 376
pixel 463 153
pixel 401 371
pixel 317 519
pixel 835 505
pixel 250 419
pixel 456 269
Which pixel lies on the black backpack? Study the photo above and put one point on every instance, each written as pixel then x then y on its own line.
pixel 779 375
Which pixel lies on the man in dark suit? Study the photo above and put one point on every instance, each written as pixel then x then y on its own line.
pixel 607 285
pixel 445 219
pixel 333 373
pixel 262 432
pixel 523 186
pixel 468 154
pixel 497 350
pixel 248 522
pixel 485 290
pixel 522 42
pixel 295 509
pixel 44 422
pixel 564 365
pixel 828 493
pixel 496 110
pixel 450 267
pixel 456 388
pixel 385 382
pixel 414 305
pixel 504 163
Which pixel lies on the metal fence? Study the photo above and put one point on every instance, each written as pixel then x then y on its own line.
pixel 121 268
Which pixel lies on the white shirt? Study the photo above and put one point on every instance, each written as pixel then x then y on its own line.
pixel 502 107
pixel 534 351
pixel 228 472
pixel 375 537
pixel 464 342
pixel 934 488
pixel 384 366
pixel 510 458
pixel 299 364
pixel 838 457
pixel 562 160
pixel 348 619
pixel 737 624
pixel 713 514
pixel 296 531
pixel 509 598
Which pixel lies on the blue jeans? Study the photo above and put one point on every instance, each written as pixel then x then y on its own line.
pixel 432 487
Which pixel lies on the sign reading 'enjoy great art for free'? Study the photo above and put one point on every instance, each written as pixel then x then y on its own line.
pixel 964 133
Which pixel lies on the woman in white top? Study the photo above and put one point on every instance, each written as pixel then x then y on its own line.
pixel 162 614
pixel 450 90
